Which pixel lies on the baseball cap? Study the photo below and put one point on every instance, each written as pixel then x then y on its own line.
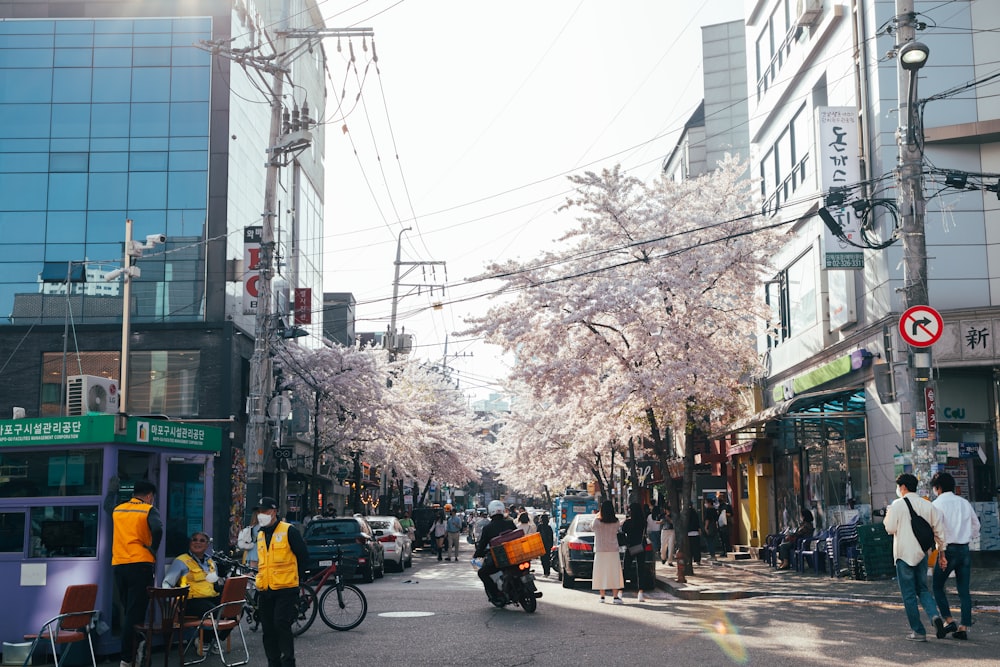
pixel 267 503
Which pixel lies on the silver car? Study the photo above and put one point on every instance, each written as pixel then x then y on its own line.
pixel 395 541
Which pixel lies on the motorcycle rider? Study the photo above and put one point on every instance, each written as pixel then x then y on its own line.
pixel 498 524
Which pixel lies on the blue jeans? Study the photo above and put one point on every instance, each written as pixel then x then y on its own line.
pixel 913 587
pixel 959 560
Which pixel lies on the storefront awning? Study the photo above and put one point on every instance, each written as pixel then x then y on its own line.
pixel 778 411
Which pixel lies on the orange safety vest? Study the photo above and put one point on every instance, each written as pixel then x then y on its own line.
pixel 133 541
pixel 196 578
pixel 276 564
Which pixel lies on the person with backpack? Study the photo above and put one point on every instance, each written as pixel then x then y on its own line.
pixel 906 520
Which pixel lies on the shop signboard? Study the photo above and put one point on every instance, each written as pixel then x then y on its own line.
pixel 100 428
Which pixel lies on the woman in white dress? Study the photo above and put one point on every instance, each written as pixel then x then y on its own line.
pixel 607 564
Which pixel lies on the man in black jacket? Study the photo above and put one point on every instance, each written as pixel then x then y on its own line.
pixel 498 524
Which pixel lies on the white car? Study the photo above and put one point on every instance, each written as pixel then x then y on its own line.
pixel 395 541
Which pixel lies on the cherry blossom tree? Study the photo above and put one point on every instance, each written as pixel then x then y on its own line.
pixel 418 427
pixel 642 317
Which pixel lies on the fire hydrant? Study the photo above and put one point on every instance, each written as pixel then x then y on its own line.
pixel 681 579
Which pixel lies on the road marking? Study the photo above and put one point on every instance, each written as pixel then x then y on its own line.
pixel 406 614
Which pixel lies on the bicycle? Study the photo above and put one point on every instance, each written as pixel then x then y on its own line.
pixel 306 607
pixel 342 606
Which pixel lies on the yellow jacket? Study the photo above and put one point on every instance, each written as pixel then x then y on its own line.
pixel 277 566
pixel 133 541
pixel 196 577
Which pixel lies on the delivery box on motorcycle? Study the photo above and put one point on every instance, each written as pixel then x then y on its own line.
pixel 518 550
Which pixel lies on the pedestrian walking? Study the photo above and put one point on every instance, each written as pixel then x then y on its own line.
pixel 548 540
pixel 693 534
pixel 634 529
pixel 710 517
pixel 525 524
pixel 282 556
pixel 961 526
pixel 668 536
pixel 137 532
pixel 406 523
pixel 654 524
pixel 910 557
pixel 454 533
pixel 437 532
pixel 725 523
pixel 607 574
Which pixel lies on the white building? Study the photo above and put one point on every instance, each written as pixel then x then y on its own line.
pixel 835 420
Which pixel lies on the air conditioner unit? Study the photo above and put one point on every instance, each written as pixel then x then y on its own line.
pixel 808 12
pixel 90 393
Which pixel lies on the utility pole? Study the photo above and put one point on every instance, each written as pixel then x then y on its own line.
pixel 911 56
pixel 393 343
pixel 285 141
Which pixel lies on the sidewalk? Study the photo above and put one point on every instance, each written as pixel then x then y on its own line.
pixel 727 579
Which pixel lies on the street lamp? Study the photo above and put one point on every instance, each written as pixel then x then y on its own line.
pixel 912 56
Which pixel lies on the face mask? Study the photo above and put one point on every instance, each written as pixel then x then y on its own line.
pixel 899 494
pixel 264 520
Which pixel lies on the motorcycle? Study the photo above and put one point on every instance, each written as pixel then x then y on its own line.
pixel 516 584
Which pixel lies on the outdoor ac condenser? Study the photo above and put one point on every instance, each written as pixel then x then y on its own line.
pixel 90 393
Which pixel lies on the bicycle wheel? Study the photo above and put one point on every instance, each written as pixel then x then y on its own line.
pixel 305 611
pixel 343 609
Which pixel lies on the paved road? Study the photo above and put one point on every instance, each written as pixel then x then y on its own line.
pixel 436 614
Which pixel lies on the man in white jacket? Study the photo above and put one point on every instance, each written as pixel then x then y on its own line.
pixel 247 540
pixel 911 559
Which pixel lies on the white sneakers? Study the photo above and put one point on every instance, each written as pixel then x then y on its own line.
pixel 618 600
pixel 642 597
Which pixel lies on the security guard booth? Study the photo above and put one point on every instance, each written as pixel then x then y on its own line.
pixel 60 479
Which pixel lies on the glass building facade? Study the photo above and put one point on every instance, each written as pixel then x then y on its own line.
pixel 102 120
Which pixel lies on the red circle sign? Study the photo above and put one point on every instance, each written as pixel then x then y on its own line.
pixel 921 326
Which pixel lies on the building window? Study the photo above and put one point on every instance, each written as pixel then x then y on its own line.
pixel 791 296
pixel 69 532
pixel 59 473
pixel 12 532
pixel 161 382
pixel 785 166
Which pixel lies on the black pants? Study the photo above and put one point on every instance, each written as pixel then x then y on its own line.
pixel 277 613
pixel 488 568
pixel 546 564
pixel 131 579
pixel 636 566
pixel 695 542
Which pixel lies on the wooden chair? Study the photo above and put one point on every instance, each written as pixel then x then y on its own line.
pixel 163 617
pixel 77 618
pixel 224 617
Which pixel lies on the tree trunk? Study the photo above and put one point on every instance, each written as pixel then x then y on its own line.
pixel 635 493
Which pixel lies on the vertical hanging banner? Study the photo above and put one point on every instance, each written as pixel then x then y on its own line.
pixel 840 167
pixel 251 268
pixel 303 305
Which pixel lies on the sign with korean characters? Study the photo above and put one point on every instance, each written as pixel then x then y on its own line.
pixel 55 431
pixel 251 268
pixel 161 433
pixel 840 167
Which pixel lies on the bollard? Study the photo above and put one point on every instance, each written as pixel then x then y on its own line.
pixel 681 579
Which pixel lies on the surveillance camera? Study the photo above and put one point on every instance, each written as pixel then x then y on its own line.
pixel 156 238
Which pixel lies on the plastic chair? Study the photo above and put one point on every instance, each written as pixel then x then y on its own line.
pixel 813 549
pixel 163 617
pixel 225 616
pixel 77 617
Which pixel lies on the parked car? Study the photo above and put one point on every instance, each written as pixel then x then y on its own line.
pixel 576 553
pixel 396 543
pixel 363 553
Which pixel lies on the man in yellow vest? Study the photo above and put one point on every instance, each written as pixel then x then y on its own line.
pixel 197 571
pixel 137 533
pixel 281 559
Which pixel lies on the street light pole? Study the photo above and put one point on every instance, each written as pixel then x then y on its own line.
pixel 393 346
pixel 912 55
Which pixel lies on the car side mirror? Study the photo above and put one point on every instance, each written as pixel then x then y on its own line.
pixel 562 533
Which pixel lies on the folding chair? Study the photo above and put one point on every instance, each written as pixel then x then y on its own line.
pixel 225 616
pixel 163 617
pixel 76 619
